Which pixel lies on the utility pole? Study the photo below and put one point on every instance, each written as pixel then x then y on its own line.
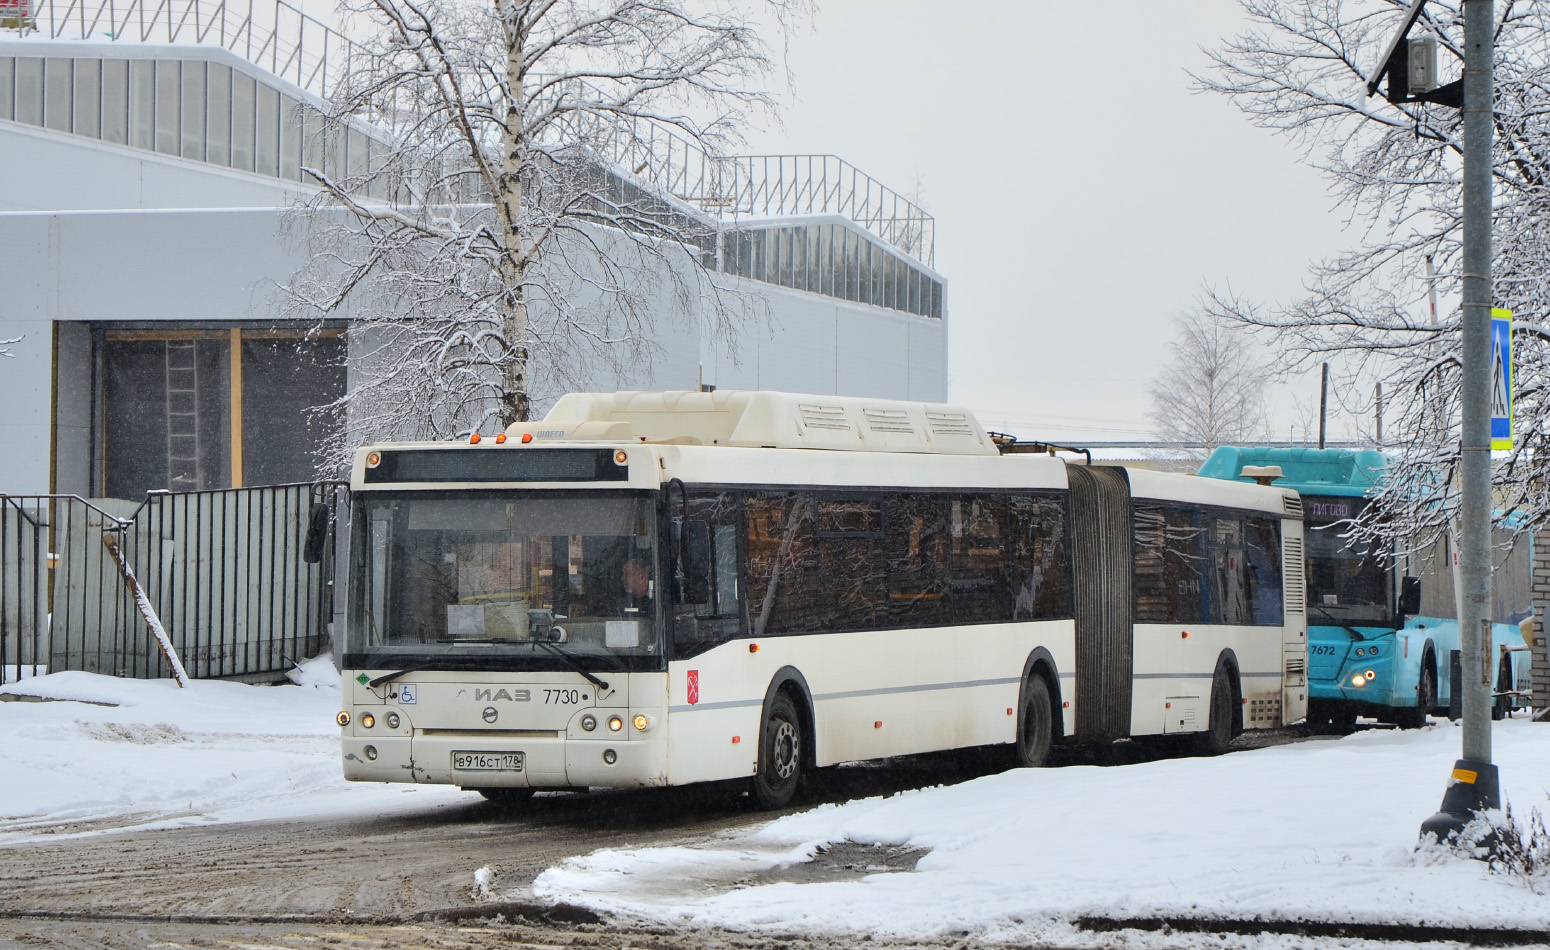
pixel 1323 402
pixel 1473 785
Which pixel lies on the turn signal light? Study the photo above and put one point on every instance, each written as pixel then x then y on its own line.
pixel 641 722
pixel 343 718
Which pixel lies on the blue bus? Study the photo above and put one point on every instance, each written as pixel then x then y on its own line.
pixel 1372 648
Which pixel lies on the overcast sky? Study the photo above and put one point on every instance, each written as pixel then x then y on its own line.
pixel 1083 194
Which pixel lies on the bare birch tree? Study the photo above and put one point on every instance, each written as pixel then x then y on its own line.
pixel 1395 168
pixel 1212 392
pixel 517 230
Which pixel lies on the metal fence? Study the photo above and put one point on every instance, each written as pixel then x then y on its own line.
pixel 223 570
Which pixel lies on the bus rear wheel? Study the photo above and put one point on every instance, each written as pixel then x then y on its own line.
pixel 1035 725
pixel 1223 722
pixel 779 771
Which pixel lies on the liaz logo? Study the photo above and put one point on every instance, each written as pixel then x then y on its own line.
pixel 1321 649
pixel 694 687
pixel 513 696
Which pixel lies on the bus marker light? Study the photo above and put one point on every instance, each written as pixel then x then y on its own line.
pixel 615 723
pixel 1009 710
pixel 368 720
pixel 1371 676
pixel 641 722
pixel 343 718
pixel 753 648
pixel 391 719
pixel 1066 704
pixel 1184 635
pixel 736 739
pixel 500 439
pixel 620 457
pixel 588 722
pixel 473 439
pixel 610 757
pixel 373 459
pixel 371 752
pixel 527 437
pixel 1167 705
pixel 878 724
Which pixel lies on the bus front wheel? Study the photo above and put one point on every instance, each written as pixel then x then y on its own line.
pixel 1035 725
pixel 1425 699
pixel 780 755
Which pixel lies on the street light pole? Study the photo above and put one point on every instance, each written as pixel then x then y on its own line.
pixel 1474 785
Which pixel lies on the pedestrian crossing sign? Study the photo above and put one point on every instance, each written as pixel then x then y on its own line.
pixel 1501 379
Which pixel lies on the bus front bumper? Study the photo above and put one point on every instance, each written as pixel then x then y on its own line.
pixel 546 762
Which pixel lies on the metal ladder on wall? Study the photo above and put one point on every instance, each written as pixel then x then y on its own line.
pixel 183 469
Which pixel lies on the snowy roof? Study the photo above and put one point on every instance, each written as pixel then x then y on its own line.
pixel 765 420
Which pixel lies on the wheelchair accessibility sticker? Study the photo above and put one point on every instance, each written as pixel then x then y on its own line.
pixel 406 694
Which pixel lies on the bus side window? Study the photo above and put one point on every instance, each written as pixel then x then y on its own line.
pixel 719 617
pixel 1264 562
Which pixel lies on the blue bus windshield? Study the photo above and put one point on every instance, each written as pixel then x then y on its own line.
pixel 1348 581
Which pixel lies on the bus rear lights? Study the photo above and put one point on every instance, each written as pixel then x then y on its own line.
pixel 368 720
pixel 588 722
pixel 615 723
pixel 621 456
pixel 641 722
pixel 370 752
pixel 610 757
pixel 527 437
pixel 473 439
pixel 373 459
pixel 392 720
pixel 343 718
pixel 500 439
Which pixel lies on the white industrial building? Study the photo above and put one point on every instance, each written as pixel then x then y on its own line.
pixel 151 154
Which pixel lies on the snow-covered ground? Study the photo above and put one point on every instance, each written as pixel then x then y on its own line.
pixel 1317 830
pixel 163 756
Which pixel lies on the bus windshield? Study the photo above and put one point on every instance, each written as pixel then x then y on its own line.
pixel 522 579
pixel 1348 581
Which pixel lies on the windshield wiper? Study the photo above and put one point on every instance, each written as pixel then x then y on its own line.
pixel 571 662
pixel 1355 633
pixel 390 677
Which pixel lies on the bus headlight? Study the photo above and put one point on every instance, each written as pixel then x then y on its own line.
pixel 371 753
pixel 615 723
pixel 588 722
pixel 392 720
pixel 368 720
pixel 610 757
pixel 1358 680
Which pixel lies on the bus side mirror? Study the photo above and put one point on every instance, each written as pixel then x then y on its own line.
pixel 694 551
pixel 317 533
pixel 1410 596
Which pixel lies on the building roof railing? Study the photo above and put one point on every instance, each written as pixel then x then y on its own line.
pixel 303 50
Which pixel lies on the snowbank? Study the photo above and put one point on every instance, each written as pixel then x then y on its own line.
pixel 1318 830
pixel 155 755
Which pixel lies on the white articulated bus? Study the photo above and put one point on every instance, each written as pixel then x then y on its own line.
pixel 662 588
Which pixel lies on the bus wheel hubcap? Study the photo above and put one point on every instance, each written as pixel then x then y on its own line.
pixel 785 750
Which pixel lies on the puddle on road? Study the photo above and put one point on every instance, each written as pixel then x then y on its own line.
pixel 841 861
